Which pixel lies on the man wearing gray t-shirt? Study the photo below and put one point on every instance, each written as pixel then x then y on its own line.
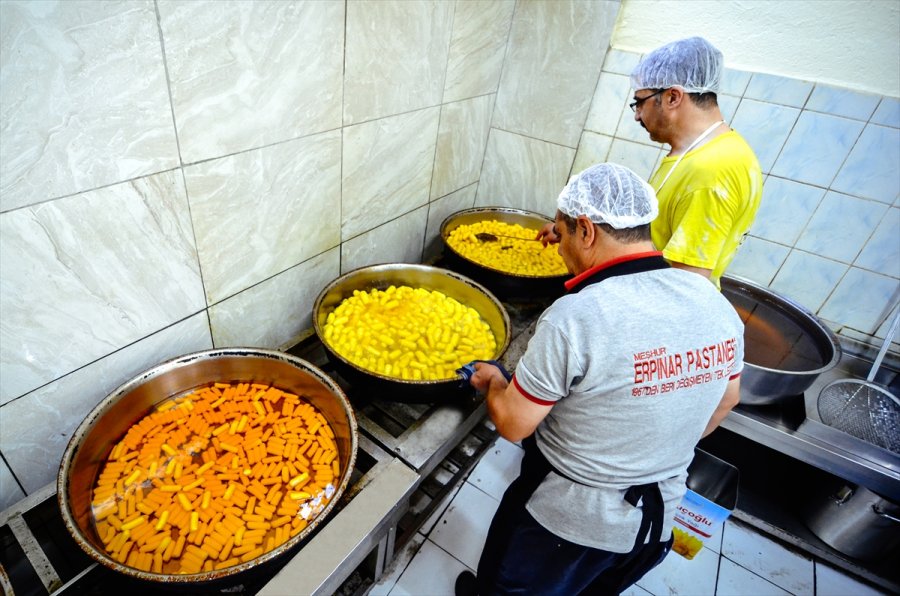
pixel 624 374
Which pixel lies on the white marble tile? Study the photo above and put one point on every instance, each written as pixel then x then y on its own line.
pixel 728 105
pixel 816 148
pixel 734 82
pixel 34 453
pixel 839 101
pixel 10 491
pixel 462 138
pixel 620 61
pixel 477 48
pixel 398 241
pixel 888 112
pixel 882 251
pixel 765 127
pixel 498 467
pixel 432 571
pixel 396 567
pixel 551 68
pixel 785 210
pixel 260 212
pixel 86 275
pixel 763 556
pixel 592 149
pixel 227 72
pixel 832 582
pixel 463 527
pixel 395 58
pixel 777 89
pixel 841 226
pixel 677 575
pixel 273 313
pixel 860 299
pixel 807 278
pixel 642 159
pixel 438 211
pixel 734 580
pixel 387 167
pixel 871 170
pixel 83 99
pixel 758 260
pixel 522 172
pixel 611 99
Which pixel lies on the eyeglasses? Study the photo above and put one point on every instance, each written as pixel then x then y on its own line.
pixel 637 102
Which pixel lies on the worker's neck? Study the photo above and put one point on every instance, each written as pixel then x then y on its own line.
pixel 612 251
pixel 693 123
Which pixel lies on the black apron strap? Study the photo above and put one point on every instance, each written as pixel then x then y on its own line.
pixel 652 509
pixel 648 496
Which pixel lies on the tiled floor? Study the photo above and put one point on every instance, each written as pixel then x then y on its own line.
pixel 738 560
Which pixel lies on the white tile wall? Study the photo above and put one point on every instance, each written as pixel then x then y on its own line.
pixel 523 172
pixel 477 48
pixel 388 168
pixel 396 57
pixel 256 74
pixel 548 77
pixel 91 273
pixel 69 124
pixel 259 212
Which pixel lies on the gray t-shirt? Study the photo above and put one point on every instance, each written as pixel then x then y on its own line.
pixel 634 366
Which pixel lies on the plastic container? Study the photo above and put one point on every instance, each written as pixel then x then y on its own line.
pixel 709 500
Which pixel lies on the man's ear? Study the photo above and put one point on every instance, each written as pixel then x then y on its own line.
pixel 585 229
pixel 673 97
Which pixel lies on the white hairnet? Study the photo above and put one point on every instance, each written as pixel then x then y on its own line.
pixel 609 193
pixel 693 64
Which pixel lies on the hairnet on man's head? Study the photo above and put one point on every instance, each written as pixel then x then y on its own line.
pixel 693 64
pixel 611 194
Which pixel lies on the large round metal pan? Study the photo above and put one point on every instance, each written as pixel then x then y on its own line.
pixel 502 283
pixel 454 285
pixel 95 437
pixel 786 347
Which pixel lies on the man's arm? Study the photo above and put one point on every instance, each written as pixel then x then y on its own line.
pixel 730 399
pixel 514 415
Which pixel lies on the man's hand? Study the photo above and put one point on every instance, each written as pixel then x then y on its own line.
pixel 546 235
pixel 485 375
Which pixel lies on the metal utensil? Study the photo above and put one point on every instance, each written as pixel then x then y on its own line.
pixel 864 409
pixel 488 237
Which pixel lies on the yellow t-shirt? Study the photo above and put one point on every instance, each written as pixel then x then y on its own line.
pixel 708 203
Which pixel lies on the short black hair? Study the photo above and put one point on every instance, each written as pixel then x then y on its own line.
pixel 704 100
pixel 639 233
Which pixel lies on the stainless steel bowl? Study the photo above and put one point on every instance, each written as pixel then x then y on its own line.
pixel 504 284
pixel 95 437
pixel 452 284
pixel 786 347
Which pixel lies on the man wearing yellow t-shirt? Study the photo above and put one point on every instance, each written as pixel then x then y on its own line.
pixel 710 184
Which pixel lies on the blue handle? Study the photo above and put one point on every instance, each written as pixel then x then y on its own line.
pixel 465 373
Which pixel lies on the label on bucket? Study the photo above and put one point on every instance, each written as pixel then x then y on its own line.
pixel 696 520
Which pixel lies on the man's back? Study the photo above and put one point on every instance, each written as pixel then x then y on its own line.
pixel 707 203
pixel 653 353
